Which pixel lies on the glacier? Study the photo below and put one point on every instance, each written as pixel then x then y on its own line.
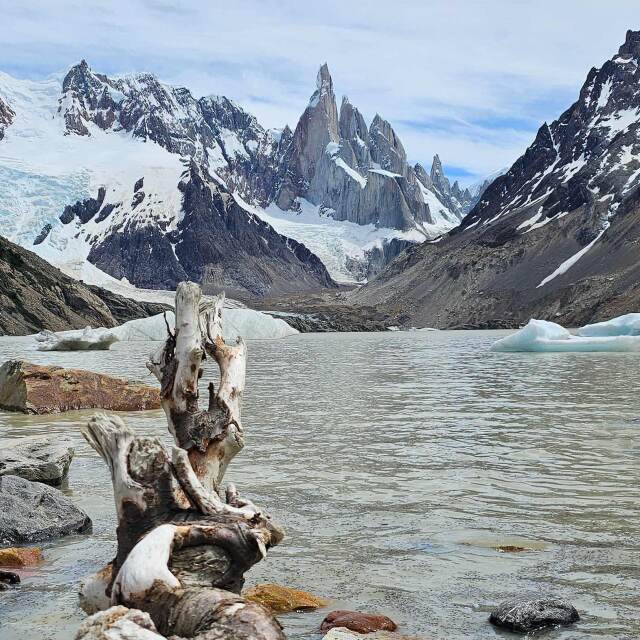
pixel 549 337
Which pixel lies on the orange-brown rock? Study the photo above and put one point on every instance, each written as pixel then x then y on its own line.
pixel 357 621
pixel 20 557
pixel 33 388
pixel 279 599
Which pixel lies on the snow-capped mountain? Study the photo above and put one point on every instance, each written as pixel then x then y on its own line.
pixel 361 174
pixel 89 193
pixel 74 150
pixel 557 235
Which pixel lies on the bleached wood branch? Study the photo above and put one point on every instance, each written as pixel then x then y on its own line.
pixel 211 436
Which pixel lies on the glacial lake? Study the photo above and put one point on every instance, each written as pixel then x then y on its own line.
pixel 397 462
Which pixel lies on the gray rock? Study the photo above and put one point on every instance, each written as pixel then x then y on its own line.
pixel 527 614
pixel 32 512
pixel 118 623
pixel 36 458
pixel 6 117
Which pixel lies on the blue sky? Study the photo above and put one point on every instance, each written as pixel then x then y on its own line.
pixel 469 80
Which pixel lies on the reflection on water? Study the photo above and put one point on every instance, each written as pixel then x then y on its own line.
pixel 397 463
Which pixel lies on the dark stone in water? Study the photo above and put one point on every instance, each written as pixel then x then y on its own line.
pixel 32 511
pixel 7 578
pixel 527 614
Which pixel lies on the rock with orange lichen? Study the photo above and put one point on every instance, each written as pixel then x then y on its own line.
pixel 34 388
pixel 279 599
pixel 20 557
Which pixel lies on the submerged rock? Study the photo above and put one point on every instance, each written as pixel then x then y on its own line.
pixel 7 578
pixel 118 623
pixel 32 511
pixel 279 599
pixel 20 557
pixel 357 621
pixel 36 458
pixel 342 633
pixel 40 389
pixel 527 614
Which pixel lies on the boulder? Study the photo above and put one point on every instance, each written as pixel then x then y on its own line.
pixel 32 511
pixel 357 621
pixel 279 599
pixel 33 388
pixel 20 557
pixel 118 623
pixel 36 458
pixel 529 613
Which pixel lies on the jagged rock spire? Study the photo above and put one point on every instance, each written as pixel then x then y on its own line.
pixel 631 46
pixel 323 79
pixel 386 148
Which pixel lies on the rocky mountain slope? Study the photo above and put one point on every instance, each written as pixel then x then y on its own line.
pixel 555 237
pixel 35 295
pixel 74 149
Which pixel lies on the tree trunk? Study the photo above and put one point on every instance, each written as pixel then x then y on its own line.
pixel 182 549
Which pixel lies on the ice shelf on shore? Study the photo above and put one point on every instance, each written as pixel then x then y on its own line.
pixel 86 339
pixel 250 324
pixel 627 325
pixel 549 337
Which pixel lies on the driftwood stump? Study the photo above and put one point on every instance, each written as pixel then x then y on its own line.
pixel 183 549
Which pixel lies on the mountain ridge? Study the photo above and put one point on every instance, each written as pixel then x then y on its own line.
pixel 554 236
pixel 94 111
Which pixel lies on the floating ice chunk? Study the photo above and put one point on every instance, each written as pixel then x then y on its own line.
pixel 543 336
pixel 627 325
pixel 86 339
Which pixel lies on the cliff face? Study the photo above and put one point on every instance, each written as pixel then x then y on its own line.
pixel 35 296
pixel 555 236
pixel 361 174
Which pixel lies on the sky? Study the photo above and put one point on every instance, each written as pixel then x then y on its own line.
pixel 471 80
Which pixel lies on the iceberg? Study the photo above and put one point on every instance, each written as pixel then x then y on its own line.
pixel 549 337
pixel 86 339
pixel 627 325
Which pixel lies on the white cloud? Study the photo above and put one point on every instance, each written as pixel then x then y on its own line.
pixel 475 77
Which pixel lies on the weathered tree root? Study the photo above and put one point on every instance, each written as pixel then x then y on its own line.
pixel 182 549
